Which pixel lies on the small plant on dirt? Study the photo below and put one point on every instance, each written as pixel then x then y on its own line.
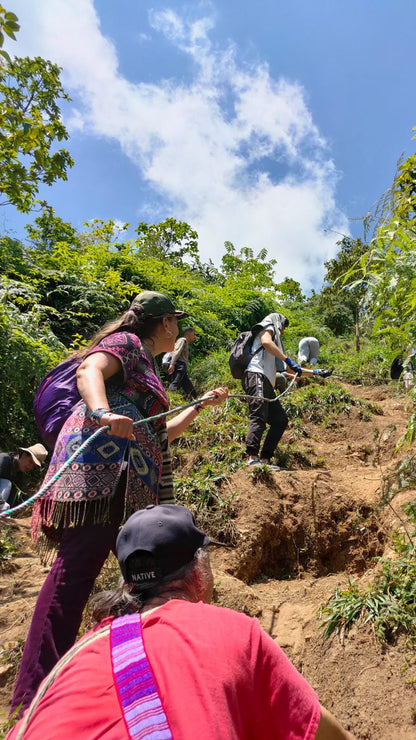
pixel 199 488
pixel 403 476
pixel 7 547
pixel 12 653
pixel 389 604
pixel 6 726
pixel 261 474
pixel 410 434
pixel 10 656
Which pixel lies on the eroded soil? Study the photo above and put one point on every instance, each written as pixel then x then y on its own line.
pixel 299 535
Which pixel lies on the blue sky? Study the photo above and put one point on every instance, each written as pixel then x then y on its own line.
pixel 268 124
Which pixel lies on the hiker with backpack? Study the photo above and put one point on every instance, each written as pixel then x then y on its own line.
pixel 266 357
pixel 122 470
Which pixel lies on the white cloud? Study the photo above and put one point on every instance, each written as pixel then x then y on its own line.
pixel 234 152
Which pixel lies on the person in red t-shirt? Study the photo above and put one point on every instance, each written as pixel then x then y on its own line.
pixel 163 662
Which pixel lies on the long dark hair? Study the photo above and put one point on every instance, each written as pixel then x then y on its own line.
pixel 133 321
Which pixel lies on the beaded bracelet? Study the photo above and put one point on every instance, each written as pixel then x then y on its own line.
pixel 97 414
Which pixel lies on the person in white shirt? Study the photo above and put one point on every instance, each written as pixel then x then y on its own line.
pixel 259 381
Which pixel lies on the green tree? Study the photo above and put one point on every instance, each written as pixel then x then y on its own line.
pixel 390 263
pixel 48 230
pixel 170 239
pixel 257 271
pixel 290 290
pixel 30 124
pixel 344 292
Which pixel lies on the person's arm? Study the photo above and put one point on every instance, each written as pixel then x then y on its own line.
pixel 91 377
pixel 179 423
pixel 330 729
pixel 266 338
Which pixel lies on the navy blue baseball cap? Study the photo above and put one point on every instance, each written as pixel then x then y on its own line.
pixel 157 541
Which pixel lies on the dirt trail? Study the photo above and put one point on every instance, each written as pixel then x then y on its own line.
pixel 300 534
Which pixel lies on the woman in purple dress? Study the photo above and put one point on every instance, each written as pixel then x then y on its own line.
pixel 122 470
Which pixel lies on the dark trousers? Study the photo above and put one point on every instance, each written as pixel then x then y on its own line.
pixel 62 598
pixel 180 380
pixel 262 413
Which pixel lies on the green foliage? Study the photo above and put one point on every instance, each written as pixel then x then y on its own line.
pixel 401 477
pixel 212 370
pixel 371 366
pixel 204 457
pixel 245 265
pixel 409 435
pixel 57 290
pixel 11 656
pixel 7 546
pixel 8 26
pixel 28 352
pixel 10 722
pixel 49 230
pixel 339 317
pixel 30 124
pixel 387 269
pixel 389 604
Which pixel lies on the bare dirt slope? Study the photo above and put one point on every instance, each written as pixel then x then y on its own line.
pixel 300 533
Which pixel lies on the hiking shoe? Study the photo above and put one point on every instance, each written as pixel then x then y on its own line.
pixel 254 463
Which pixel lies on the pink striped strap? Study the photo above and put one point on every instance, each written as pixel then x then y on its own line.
pixel 136 686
